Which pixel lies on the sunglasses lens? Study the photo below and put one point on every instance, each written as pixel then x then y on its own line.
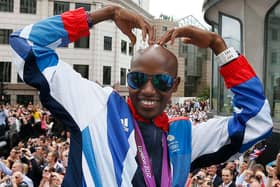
pixel 136 80
pixel 163 82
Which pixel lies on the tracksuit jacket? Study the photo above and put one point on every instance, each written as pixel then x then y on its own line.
pixel 103 147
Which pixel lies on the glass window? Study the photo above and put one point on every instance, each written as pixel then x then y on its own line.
pixel 4 35
pixel 215 80
pixel 28 6
pixel 85 5
pixel 131 49
pixel 106 75
pixel 6 5
pixel 123 76
pixel 5 71
pixel 164 28
pixel 24 99
pixel 272 74
pixel 274 34
pixel 19 80
pixel 60 7
pixel 82 42
pixel 108 43
pixel 5 98
pixel 82 69
pixel 123 46
pixel 231 32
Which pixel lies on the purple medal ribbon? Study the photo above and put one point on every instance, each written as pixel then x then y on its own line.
pixel 145 162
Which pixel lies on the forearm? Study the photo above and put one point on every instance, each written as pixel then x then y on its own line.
pixel 103 14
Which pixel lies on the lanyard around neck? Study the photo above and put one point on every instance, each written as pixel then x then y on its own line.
pixel 145 162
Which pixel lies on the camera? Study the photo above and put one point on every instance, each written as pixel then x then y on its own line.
pixel 199 177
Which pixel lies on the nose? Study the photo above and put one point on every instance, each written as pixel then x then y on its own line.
pixel 148 88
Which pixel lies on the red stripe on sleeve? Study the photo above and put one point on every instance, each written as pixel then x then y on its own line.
pixel 237 72
pixel 75 23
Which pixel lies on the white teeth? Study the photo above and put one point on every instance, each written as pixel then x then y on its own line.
pixel 146 102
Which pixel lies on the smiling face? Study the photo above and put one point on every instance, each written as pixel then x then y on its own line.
pixel 148 100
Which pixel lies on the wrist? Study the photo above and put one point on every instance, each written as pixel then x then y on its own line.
pixel 218 44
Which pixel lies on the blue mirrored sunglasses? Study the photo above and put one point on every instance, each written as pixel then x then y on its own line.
pixel 162 82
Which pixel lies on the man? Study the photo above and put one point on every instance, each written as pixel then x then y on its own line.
pixel 116 143
pixel 52 162
pixel 212 171
pixel 17 167
pixel 227 176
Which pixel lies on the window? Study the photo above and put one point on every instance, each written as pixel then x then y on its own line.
pixel 82 42
pixel 28 6
pixel 108 43
pixel 19 80
pixel 231 32
pixel 272 62
pixel 85 5
pixel 6 5
pixel 5 98
pixel 106 75
pixel 123 47
pixel 4 36
pixel 123 76
pixel 131 49
pixel 5 71
pixel 274 34
pixel 274 58
pixel 82 69
pixel 24 99
pixel 60 7
pixel 164 28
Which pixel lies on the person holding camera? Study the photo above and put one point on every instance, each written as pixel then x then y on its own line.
pixel 16 167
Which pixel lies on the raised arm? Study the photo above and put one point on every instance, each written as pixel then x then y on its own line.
pixel 218 139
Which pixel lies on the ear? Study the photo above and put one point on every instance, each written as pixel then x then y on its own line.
pixel 176 84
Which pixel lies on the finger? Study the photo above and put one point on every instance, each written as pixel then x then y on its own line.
pixel 152 38
pixel 173 36
pixel 165 38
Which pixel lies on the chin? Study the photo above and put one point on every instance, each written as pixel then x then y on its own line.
pixel 148 115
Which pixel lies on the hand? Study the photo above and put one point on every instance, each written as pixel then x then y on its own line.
pixel 126 21
pixel 270 170
pixel 196 36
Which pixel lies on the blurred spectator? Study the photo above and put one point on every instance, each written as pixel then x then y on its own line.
pixel 212 172
pixel 227 177
pixel 16 167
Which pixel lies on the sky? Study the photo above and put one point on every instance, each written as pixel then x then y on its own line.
pixel 177 8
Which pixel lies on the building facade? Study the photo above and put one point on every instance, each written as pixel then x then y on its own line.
pixel 253 28
pixel 103 57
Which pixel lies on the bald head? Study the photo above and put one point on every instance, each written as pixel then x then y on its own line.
pixel 156 55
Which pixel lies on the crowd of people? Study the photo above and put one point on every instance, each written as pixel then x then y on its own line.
pixel 196 110
pixel 245 173
pixel 39 157
pixel 38 154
